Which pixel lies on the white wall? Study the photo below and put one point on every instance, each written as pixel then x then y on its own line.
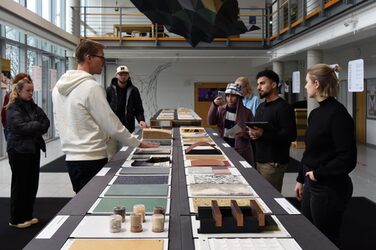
pixel 175 85
pixel 342 56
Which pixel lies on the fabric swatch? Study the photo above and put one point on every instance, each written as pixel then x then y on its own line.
pixel 107 204
pixel 141 180
pixel 137 190
pixel 209 162
pixel 145 170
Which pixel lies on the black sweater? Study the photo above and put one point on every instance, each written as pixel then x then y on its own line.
pixel 330 143
pixel 274 144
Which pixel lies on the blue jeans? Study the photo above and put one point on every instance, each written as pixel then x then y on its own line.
pixel 81 172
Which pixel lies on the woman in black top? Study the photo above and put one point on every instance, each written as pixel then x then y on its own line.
pixel 323 184
pixel 26 124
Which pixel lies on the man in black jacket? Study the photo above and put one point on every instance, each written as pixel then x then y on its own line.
pixel 125 100
pixel 273 144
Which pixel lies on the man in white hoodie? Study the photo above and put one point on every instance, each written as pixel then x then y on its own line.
pixel 84 119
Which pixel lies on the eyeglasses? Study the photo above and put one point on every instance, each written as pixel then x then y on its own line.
pixel 101 57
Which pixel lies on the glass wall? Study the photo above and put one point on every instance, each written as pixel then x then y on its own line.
pixel 43 60
pixel 51 10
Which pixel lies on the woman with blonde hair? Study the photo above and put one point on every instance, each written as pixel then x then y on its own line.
pixel 323 184
pixel 26 123
pixel 17 78
pixel 250 101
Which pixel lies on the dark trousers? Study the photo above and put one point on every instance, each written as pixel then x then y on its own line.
pixel 24 185
pixel 81 172
pixel 324 205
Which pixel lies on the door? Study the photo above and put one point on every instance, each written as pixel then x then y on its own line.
pixel 205 93
pixel 360 117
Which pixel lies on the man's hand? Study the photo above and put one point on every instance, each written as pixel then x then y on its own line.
pixel 255 133
pixel 143 124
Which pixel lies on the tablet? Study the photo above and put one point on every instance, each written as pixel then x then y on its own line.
pixel 263 125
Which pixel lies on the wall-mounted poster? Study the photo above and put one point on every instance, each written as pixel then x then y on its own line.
pixel 356 75
pixel 371 99
pixel 296 82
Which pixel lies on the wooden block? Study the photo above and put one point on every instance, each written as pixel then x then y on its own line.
pixel 217 215
pixel 256 210
pixel 237 213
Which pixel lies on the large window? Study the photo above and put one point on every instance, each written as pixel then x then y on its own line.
pixel 46 10
pixel 12 53
pixel 40 58
pixel 32 5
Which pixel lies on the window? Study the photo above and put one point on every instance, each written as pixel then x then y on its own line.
pixel 32 5
pixel 12 53
pixel 46 10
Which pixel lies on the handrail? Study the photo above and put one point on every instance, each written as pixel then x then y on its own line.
pixel 98 22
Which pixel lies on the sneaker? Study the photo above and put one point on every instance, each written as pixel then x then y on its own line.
pixel 33 221
pixel 21 225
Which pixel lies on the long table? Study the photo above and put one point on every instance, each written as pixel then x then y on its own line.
pixel 180 228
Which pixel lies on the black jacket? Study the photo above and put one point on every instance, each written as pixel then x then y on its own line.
pixel 26 124
pixel 133 109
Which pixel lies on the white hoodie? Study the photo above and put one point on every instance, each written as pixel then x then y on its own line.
pixel 84 119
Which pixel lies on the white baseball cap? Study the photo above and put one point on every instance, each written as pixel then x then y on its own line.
pixel 122 69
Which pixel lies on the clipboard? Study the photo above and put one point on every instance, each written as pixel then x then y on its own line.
pixel 263 125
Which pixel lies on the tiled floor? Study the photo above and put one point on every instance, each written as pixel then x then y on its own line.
pixel 58 184
pixel 50 184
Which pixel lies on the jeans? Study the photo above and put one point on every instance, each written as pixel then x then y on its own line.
pixel 81 172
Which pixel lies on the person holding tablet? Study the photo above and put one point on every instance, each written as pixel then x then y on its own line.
pixel 230 117
pixel 273 143
pixel 323 184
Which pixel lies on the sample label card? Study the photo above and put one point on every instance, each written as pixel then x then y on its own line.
pixel 103 172
pixel 245 164
pixel 290 209
pixel 52 227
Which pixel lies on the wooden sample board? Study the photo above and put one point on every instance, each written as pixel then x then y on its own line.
pixel 225 201
pixel 116 244
pixel 281 233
